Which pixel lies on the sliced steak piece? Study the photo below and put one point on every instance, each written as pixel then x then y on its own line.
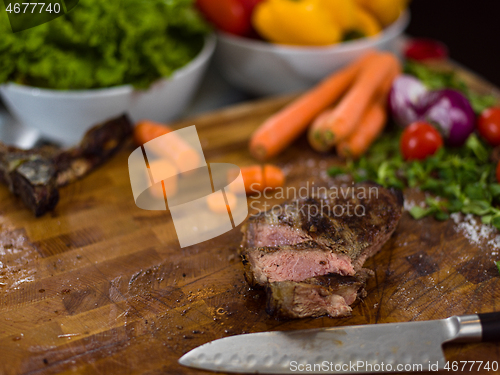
pixel 97 145
pixel 332 233
pixel 35 175
pixel 322 295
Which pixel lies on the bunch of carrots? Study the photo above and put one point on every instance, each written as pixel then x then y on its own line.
pixel 346 111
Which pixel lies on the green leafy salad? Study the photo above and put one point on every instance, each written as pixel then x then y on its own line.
pixel 103 44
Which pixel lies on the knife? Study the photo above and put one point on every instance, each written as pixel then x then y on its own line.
pixel 389 347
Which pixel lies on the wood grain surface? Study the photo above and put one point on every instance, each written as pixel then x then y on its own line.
pixel 100 286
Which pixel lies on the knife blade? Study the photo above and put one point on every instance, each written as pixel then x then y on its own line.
pixel 402 347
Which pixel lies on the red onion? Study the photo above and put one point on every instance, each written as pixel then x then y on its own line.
pixel 450 111
pixel 447 109
pixel 404 99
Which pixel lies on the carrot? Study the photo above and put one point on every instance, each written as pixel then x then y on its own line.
pixel 315 132
pixel 321 122
pixel 253 177
pixel 237 188
pixel 177 149
pixel 257 177
pixel 384 89
pixel 343 119
pixel 371 125
pixel 146 130
pixel 157 191
pixel 273 176
pixel 163 170
pixel 219 206
pixel 278 131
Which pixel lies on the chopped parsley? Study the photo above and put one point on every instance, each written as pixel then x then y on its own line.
pixel 459 179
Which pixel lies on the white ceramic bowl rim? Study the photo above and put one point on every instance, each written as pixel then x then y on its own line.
pixel 393 29
pixel 205 53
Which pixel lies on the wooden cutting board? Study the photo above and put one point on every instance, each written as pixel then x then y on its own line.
pixel 101 286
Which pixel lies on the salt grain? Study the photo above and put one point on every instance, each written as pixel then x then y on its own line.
pixel 476 232
pixel 409 204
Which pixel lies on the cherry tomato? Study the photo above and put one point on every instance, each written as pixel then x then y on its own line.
pixel 232 16
pixel 420 140
pixel 488 125
pixel 425 49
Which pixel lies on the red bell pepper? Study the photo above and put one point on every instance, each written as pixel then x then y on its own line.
pixel 231 16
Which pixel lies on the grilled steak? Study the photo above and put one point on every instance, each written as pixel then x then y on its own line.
pixel 322 295
pixel 35 175
pixel 317 236
pixel 288 247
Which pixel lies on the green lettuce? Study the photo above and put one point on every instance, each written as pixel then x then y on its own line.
pixel 102 44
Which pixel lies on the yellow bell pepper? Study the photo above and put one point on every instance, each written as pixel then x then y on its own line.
pixel 386 11
pixel 354 20
pixel 296 22
pixel 367 25
pixel 343 12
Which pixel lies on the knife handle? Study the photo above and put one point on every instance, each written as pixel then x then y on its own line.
pixel 490 323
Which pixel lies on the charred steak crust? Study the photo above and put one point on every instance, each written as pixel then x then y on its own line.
pixel 309 257
pixel 97 145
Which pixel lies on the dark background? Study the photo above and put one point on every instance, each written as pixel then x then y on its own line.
pixel 470 29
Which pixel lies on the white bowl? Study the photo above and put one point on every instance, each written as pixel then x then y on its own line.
pixel 65 115
pixel 264 68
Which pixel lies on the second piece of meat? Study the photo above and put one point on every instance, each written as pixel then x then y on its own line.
pixel 322 295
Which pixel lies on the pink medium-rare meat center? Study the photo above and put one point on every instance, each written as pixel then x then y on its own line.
pixel 292 265
pixel 277 235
